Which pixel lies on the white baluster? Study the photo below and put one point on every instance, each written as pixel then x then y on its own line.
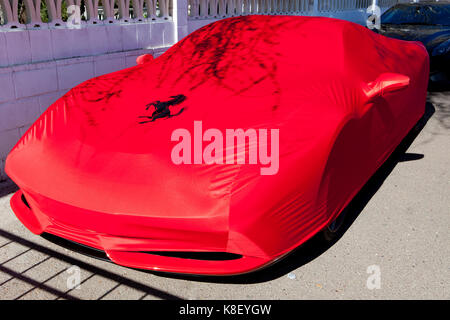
pixel 222 9
pixel 204 8
pixel 124 10
pixel 164 8
pixel 195 4
pixel 33 12
pixel 231 8
pixel 269 6
pixel 261 6
pixel 92 11
pixel 138 10
pixel 213 4
pixel 54 12
pixel 238 5
pixel 245 7
pixel 10 13
pixel 108 8
pixel 252 6
pixel 151 9
pixel 305 5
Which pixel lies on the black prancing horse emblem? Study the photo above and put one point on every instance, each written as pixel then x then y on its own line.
pixel 162 108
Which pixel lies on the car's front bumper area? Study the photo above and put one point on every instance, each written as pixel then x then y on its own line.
pixel 190 256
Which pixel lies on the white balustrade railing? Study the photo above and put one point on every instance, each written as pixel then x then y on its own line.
pixel 27 13
pixel 341 5
pixel 216 9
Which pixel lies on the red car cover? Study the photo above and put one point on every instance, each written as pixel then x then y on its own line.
pixel 101 166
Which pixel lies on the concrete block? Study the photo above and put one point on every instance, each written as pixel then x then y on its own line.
pixel 6 87
pixel 182 5
pixel 19 113
pixel 114 36
pixel 182 32
pixel 144 35
pixel 18 47
pixel 24 129
pixel 3 53
pixel 68 43
pixel 159 51
pixel 195 24
pixel 41 45
pixel 182 19
pixel 129 37
pixel 70 75
pixel 130 61
pixel 80 45
pixel 169 35
pixel 104 66
pixel 29 83
pixel 97 38
pixel 62 43
pixel 8 139
pixel 46 100
pixel 157 34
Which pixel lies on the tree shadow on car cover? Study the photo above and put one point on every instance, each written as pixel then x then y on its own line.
pixel 239 48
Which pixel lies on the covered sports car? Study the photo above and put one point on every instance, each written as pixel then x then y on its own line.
pixel 231 149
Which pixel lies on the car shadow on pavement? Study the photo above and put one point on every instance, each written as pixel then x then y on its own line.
pixel 441 101
pixel 7 187
pixel 316 246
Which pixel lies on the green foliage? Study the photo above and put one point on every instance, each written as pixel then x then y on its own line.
pixel 44 12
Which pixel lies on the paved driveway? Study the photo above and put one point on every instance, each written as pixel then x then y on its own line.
pixel 399 231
